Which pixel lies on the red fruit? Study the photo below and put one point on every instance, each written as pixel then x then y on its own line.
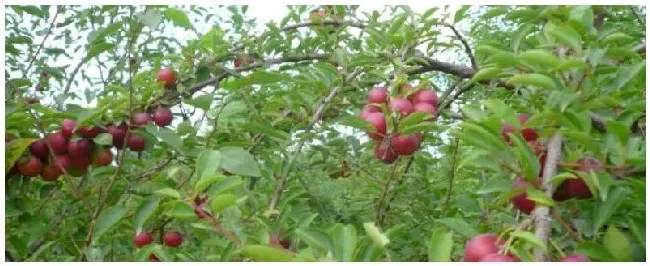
pixel 425 96
pixel 378 121
pixel 577 188
pixel 243 60
pixel 51 172
pixel 62 160
pixel 575 257
pixel 403 106
pixel 39 149
pixel 91 132
pixel 80 148
pixel 481 246
pixel 369 109
pixel 162 116
pixel 167 76
pixel 31 167
pixel 587 164
pixel 321 13
pixel 58 142
pixel 405 145
pixel 173 239
pixel 378 95
pixel 140 119
pixel 425 107
pixel 67 127
pixel 102 157
pixel 274 239
pixel 135 142
pixel 118 135
pixel 79 165
pixel 142 239
pixel 561 193
pixel 499 258
pixel 385 153
pixel 520 201
pixel 154 258
pixel 528 134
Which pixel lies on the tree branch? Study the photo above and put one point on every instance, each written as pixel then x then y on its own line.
pixel 541 212
pixel 49 31
pixel 468 50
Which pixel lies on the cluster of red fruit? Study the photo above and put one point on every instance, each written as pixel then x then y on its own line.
pixel 486 247
pixel 570 188
pixel 171 239
pixel 390 145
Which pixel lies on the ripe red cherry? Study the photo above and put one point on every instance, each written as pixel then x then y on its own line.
pixel 102 157
pixel 173 239
pixel 384 153
pixel 163 116
pixel 405 144
pixel 575 257
pixel 481 246
pixel 425 96
pixel 51 172
pixel 142 239
pixel 31 167
pixel 39 149
pixel 67 127
pixel 140 119
pixel 520 201
pixel 58 142
pixel 528 134
pixel 425 107
pixel 378 121
pixel 561 193
pixel 135 142
pixel 378 95
pixel 167 76
pixel 274 239
pixel 403 106
pixel 79 165
pixel 80 148
pixel 62 160
pixel 577 188
pixel 369 109
pixel 118 135
pixel 499 258
pixel 90 132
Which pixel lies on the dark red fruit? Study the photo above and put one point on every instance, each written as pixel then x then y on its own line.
pixel 142 239
pixel 378 95
pixel 425 107
pixel 173 239
pixel 167 76
pixel 528 134
pixel 403 106
pixel 577 188
pixel 425 96
pixel 80 148
pixel 378 121
pixel 102 157
pixel 135 142
pixel 31 167
pixel 385 153
pixel 575 257
pixel 520 201
pixel 561 193
pixel 405 145
pixel 140 119
pixel 79 165
pixel 481 246
pixel 39 149
pixel 62 160
pixel 499 258
pixel 91 132
pixel 369 109
pixel 118 135
pixel 162 116
pixel 274 239
pixel 58 142
pixel 67 127
pixel 51 172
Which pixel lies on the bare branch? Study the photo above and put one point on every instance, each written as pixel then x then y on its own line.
pixel 468 50
pixel 49 31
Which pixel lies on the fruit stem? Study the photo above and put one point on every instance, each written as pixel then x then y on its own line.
pixel 559 250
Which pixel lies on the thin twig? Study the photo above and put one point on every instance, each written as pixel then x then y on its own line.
pixel 384 192
pixel 576 237
pixel 324 22
pixel 468 49
pixel 47 34
pixel 452 173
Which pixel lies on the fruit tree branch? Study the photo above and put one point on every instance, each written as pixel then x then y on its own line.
pixel 468 50
pixel 541 212
pixel 47 34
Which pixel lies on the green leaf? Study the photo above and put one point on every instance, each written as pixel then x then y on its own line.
pixel 502 111
pixel 109 30
pixel 144 211
pixel 356 122
pixel 178 17
pixel 19 83
pixel 486 74
pixel 473 112
pixel 530 238
pixel 637 227
pixel 376 235
pixel 595 251
pixel 227 184
pixel 458 225
pixel 624 76
pixel 87 115
pixel 168 192
pixel 151 18
pixel 104 139
pixel 421 127
pixel 202 101
pixel 207 163
pixel 539 57
pixel 344 238
pixel 13 151
pixel 604 210
pixel 238 161
pixel 618 244
pixel 207 180
pixel 620 130
pixel 267 253
pixel 256 127
pixel 539 197
pixel 33 10
pixel 222 201
pixel 412 119
pixel 527 157
pixel 168 136
pixel 520 34
pixel 568 36
pixel 98 48
pixel 107 219
pixel 315 239
pixel 440 245
pixel 460 13
pixel 538 80
pixel 181 210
